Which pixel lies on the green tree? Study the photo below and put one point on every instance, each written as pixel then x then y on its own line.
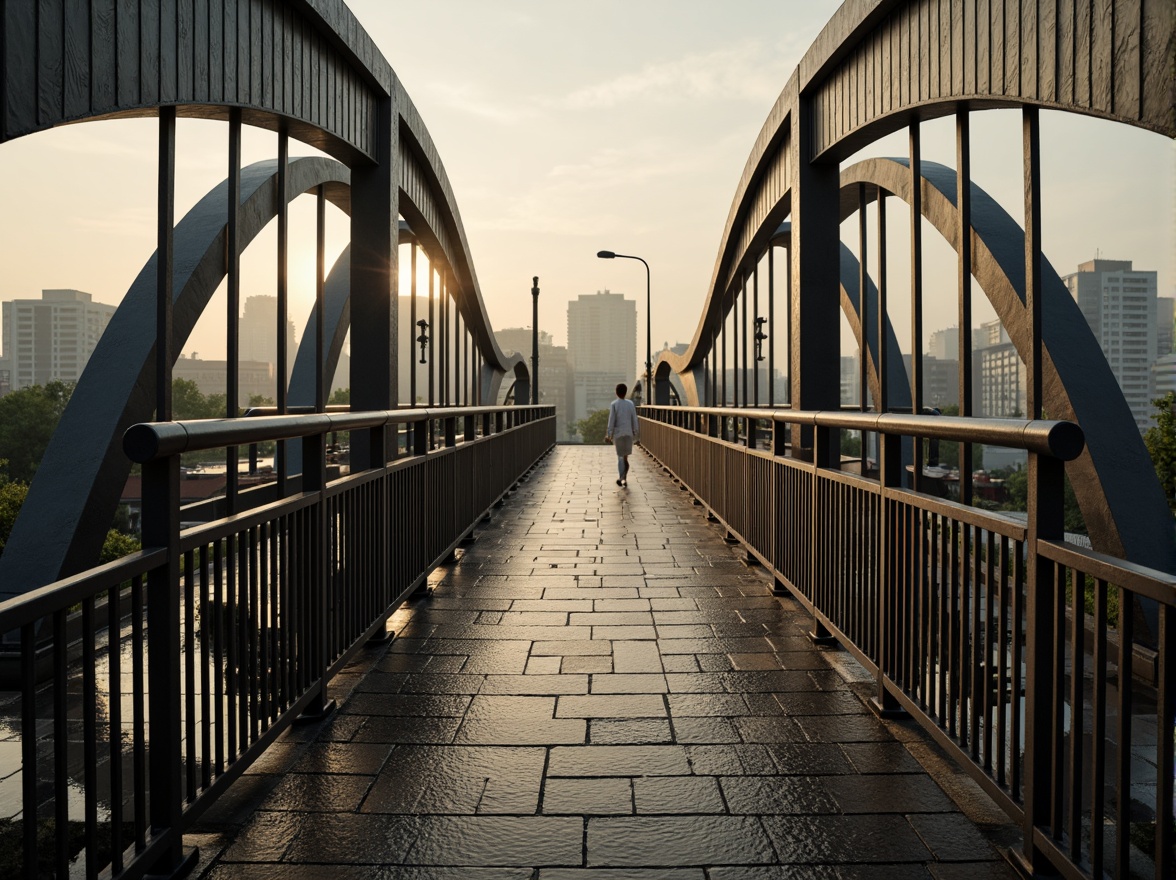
pixel 28 418
pixel 592 429
pixel 1017 486
pixel 117 545
pixel 188 402
pixel 340 397
pixel 12 496
pixel 1161 445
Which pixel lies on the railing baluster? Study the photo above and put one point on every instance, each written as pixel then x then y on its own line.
pixel 28 748
pixel 1077 674
pixel 90 735
pixel 1098 733
pixel 114 714
pixel 189 648
pixel 1123 746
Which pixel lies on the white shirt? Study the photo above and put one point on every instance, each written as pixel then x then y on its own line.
pixel 622 419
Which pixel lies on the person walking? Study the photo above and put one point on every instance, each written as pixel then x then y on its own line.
pixel 622 430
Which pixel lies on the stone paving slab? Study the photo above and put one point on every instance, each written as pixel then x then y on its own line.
pixel 600 688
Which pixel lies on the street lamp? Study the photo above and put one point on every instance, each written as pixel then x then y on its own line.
pixel 609 255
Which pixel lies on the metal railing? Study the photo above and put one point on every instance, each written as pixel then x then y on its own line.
pixel 1022 655
pixel 148 685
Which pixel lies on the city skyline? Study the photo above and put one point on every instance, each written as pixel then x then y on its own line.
pixel 631 139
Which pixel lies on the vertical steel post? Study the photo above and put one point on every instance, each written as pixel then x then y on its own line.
pixel 772 326
pixel 815 331
pixel 233 308
pixel 916 293
pixel 161 529
pixel 282 371
pixel 758 343
pixel 375 279
pixel 743 331
pixel 320 275
pixel 432 326
pixel 1031 129
pixel 883 402
pixel 964 273
pixel 863 334
pixel 1046 522
pixel 412 325
pixel 535 340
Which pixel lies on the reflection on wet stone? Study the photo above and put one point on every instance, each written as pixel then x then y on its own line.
pixel 646 711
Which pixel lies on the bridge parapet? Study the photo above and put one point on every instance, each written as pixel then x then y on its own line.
pixel 1020 653
pixel 236 627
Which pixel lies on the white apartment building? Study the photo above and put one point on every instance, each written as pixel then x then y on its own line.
pixel 51 338
pixel 1119 303
pixel 602 349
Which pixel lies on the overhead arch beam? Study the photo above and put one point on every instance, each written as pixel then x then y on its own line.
pixel 878 65
pixel 76 489
pixel 1114 481
pixel 306 67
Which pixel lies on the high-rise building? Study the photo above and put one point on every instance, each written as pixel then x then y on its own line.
pixel 602 349
pixel 1119 303
pixel 850 380
pixel 998 374
pixel 555 377
pixel 258 332
pixel 51 339
pixel 1165 325
pixel 944 345
pixel 940 378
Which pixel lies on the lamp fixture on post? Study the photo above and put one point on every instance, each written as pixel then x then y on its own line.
pixel 423 339
pixel 648 393
pixel 760 336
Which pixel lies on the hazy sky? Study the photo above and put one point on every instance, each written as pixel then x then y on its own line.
pixel 566 129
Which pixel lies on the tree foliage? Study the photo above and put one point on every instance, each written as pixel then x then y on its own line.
pixel 1161 445
pixel 28 418
pixel 12 496
pixel 340 397
pixel 188 402
pixel 1017 486
pixel 591 429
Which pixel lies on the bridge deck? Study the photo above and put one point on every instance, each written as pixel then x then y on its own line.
pixel 600 681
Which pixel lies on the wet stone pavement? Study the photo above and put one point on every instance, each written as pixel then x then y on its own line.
pixel 600 687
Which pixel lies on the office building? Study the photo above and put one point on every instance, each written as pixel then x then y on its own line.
pixel 1119 304
pixel 52 338
pixel 944 345
pixel 998 374
pixel 255 379
pixel 602 349
pixel 257 332
pixel 1165 325
pixel 555 377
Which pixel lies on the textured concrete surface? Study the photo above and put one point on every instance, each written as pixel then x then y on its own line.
pixel 600 687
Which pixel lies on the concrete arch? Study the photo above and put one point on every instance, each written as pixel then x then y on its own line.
pixel 1114 480
pixel 330 87
pixel 693 385
pixel 76 489
pixel 864 77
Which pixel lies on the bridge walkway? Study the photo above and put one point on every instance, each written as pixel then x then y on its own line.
pixel 600 682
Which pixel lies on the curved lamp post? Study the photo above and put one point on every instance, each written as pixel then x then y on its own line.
pixel 610 255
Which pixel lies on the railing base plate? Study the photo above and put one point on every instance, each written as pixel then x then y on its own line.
pixel 471 538
pixel 819 639
pixel 382 638
pixel 751 560
pixel 883 710
pixel 313 716
pixel 183 869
